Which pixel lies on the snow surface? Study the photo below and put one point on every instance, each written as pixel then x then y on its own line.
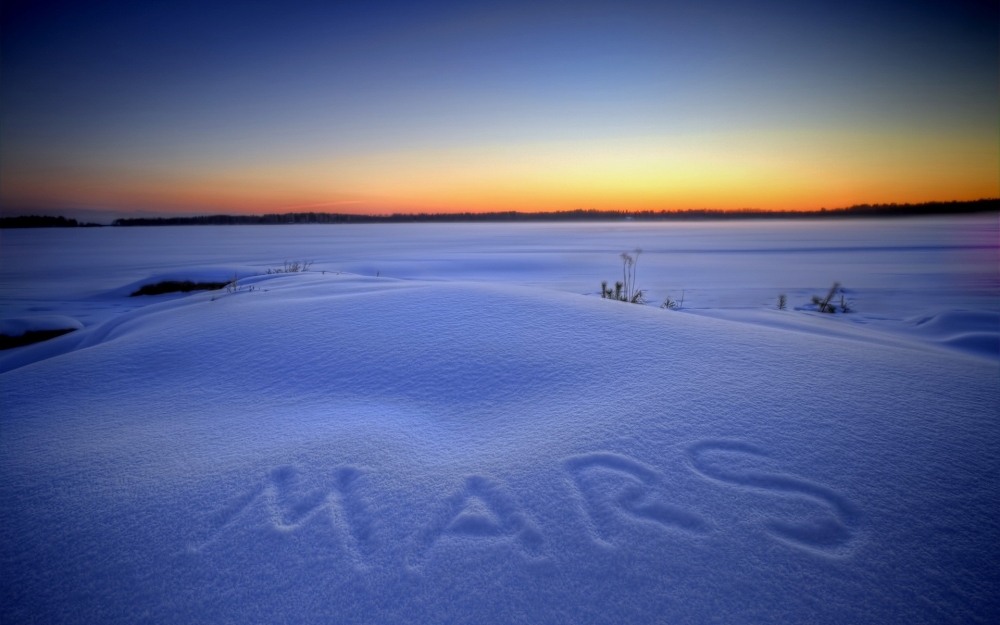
pixel 474 436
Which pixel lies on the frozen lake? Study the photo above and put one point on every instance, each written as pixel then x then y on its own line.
pixel 446 423
pixel 891 267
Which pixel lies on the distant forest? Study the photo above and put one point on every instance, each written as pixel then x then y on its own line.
pixel 34 221
pixel 864 210
pixel 861 210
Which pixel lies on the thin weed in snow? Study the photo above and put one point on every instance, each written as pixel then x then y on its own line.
pixel 672 304
pixel 294 266
pixel 234 286
pixel 827 305
pixel 824 303
pixel 625 290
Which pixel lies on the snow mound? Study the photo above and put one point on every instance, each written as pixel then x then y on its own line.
pixel 984 343
pixel 977 332
pixel 190 274
pixel 957 322
pixel 333 448
pixel 38 323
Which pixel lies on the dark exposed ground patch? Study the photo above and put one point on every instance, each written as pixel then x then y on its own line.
pixel 177 286
pixel 36 336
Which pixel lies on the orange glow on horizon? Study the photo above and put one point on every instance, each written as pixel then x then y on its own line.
pixel 769 170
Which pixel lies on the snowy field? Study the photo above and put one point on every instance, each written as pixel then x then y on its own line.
pixel 447 424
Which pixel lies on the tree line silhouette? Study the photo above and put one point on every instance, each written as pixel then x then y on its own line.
pixel 859 210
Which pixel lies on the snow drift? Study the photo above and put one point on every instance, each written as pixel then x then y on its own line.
pixel 335 448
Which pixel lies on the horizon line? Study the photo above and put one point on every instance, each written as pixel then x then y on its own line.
pixel 154 217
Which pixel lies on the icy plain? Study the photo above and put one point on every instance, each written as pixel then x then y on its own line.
pixel 446 423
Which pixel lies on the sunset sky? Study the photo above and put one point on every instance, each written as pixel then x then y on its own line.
pixel 254 107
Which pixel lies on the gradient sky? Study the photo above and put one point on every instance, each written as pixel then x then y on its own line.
pixel 255 107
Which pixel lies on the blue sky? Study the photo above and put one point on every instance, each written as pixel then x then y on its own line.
pixel 452 106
